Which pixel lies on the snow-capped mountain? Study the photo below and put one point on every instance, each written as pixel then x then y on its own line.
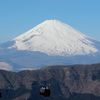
pixel 49 43
pixel 55 38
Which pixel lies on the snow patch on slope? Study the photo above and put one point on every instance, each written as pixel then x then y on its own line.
pixel 5 66
pixel 55 38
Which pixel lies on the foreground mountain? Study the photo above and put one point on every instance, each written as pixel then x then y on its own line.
pixel 49 43
pixel 74 82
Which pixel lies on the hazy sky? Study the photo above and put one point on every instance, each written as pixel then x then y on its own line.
pixel 19 16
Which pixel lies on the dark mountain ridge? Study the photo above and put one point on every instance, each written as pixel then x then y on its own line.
pixel 74 82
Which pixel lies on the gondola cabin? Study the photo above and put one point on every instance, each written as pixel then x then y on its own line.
pixel 44 92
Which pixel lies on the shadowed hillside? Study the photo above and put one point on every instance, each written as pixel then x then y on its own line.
pixel 74 82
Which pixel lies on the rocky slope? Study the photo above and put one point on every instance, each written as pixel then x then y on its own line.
pixel 74 82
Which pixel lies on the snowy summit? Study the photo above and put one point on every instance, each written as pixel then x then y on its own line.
pixel 55 38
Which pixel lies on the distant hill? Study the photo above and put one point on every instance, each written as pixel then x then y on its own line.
pixel 74 82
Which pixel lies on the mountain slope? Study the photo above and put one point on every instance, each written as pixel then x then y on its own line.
pixel 77 82
pixel 49 43
pixel 55 38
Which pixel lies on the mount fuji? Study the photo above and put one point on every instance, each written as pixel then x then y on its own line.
pixel 49 43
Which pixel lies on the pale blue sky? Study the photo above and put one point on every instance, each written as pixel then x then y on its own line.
pixel 19 16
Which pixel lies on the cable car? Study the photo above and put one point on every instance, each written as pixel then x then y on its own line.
pixel 45 91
